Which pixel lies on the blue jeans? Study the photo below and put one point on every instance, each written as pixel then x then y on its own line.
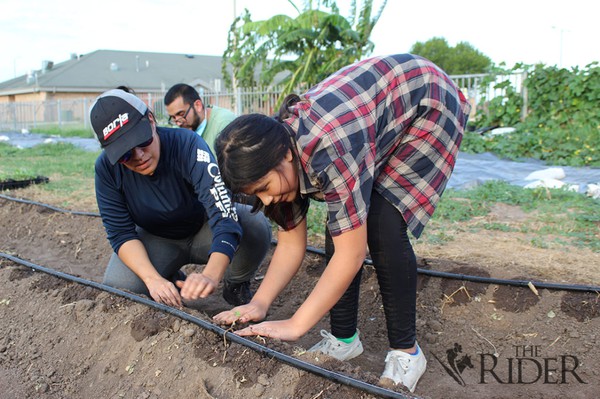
pixel 168 255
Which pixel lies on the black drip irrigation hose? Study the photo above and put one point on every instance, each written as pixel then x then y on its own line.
pixel 433 273
pixel 488 280
pixel 328 374
pixel 11 184
pixel 6 197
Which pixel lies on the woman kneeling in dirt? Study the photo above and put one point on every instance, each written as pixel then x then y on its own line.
pixel 377 142
pixel 164 205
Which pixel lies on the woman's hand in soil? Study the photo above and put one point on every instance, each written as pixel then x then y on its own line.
pixel 242 314
pixel 284 330
pixel 164 291
pixel 196 286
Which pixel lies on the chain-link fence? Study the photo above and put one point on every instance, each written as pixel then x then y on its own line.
pixel 39 114
pixel 74 113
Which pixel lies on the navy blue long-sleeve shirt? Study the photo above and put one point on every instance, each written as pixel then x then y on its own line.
pixel 184 192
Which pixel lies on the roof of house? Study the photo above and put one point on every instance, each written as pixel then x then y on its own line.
pixel 104 69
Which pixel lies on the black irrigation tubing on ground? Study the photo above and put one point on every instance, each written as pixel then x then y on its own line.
pixel 433 273
pixel 11 184
pixel 328 374
pixel 487 280
pixel 6 197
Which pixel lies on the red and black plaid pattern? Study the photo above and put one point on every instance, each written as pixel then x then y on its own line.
pixel 391 124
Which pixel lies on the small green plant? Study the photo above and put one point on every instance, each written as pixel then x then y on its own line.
pixel 437 237
pixel 539 243
pixel 499 227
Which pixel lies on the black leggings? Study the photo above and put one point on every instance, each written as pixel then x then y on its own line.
pixel 396 267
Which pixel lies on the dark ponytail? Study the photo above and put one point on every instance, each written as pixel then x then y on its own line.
pixel 284 110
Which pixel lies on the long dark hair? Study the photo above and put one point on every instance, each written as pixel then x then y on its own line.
pixel 253 145
pixel 249 148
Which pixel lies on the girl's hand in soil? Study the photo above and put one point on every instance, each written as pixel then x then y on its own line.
pixel 164 291
pixel 284 330
pixel 242 314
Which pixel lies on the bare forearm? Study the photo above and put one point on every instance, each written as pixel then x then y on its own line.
pixel 349 256
pixel 134 255
pixel 287 259
pixel 283 267
pixel 334 281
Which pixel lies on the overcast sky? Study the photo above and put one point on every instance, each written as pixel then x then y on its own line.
pixel 563 33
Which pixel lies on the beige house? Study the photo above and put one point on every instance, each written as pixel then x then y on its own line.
pixel 39 95
pixel 93 73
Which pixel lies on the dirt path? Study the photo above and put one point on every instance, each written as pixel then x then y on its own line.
pixel 63 340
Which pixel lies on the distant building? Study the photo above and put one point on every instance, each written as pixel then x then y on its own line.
pixel 93 73
pixel 63 92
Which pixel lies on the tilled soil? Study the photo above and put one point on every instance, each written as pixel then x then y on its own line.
pixel 60 339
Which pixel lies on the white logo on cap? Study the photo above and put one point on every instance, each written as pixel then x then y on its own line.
pixel 115 125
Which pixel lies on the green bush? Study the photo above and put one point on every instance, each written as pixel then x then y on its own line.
pixel 562 125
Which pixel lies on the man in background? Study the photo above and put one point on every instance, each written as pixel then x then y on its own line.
pixel 186 110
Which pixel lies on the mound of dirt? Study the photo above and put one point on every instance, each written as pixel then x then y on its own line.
pixel 60 339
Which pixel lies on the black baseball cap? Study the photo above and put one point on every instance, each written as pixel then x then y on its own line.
pixel 120 121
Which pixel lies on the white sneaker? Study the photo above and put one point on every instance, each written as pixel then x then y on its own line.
pixel 404 368
pixel 333 347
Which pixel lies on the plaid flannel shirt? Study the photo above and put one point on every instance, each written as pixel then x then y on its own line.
pixel 391 124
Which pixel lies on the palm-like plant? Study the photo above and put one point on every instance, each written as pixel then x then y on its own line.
pixel 299 52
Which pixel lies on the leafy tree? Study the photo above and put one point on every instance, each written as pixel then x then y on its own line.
pixel 458 60
pixel 237 71
pixel 298 51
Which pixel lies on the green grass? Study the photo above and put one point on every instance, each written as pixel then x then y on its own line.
pixel 65 131
pixel 70 169
pixel 552 216
pixel 565 216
